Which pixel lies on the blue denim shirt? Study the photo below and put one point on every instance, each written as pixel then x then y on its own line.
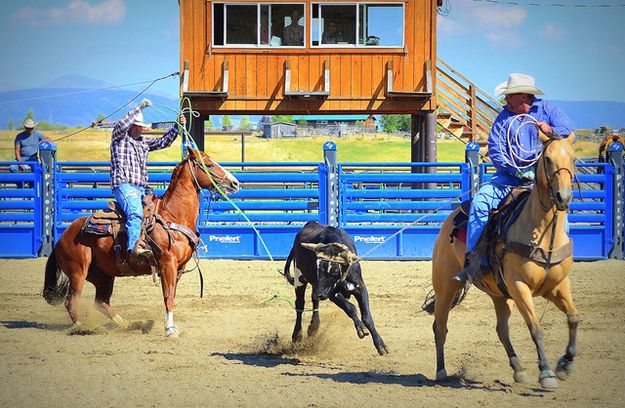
pixel 528 147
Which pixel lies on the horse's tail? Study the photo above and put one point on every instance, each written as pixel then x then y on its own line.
pixel 287 269
pixel 430 299
pixel 56 285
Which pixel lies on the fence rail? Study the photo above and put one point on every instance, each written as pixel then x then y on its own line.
pixel 392 210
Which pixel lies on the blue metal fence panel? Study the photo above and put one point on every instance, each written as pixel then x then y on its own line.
pixel 20 211
pixel 394 210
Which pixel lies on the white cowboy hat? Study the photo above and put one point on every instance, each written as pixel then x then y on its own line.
pixel 29 123
pixel 139 120
pixel 518 83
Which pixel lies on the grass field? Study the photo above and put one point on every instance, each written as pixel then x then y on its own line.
pixel 93 145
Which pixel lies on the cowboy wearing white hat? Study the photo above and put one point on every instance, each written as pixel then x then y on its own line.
pixel 129 175
pixel 27 145
pixel 513 157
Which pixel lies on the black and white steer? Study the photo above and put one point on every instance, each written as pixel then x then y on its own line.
pixel 326 258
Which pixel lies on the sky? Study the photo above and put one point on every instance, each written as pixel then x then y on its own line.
pixel 575 53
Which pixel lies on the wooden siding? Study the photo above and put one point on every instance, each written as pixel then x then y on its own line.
pixel 357 75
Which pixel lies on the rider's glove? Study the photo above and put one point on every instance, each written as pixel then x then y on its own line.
pixel 145 103
pixel 526 174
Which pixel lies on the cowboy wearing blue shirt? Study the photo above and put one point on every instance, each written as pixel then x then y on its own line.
pixel 513 147
pixel 27 145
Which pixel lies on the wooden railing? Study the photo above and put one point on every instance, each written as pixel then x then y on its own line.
pixel 465 102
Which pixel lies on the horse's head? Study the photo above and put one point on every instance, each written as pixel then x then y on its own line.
pixel 556 168
pixel 216 178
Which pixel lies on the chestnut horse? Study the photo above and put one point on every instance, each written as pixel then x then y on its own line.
pixel 540 223
pixel 89 257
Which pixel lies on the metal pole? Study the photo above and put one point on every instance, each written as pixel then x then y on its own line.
pixel 47 152
pixel 472 158
pixel 330 160
pixel 615 160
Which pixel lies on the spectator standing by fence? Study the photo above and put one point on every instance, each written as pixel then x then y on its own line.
pixel 27 146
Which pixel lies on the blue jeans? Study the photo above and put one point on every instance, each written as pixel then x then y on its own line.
pixel 489 197
pixel 129 197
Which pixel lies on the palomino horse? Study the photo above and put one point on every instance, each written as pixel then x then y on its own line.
pixel 88 257
pixel 540 223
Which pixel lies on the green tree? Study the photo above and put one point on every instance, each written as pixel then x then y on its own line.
pixel 395 123
pixel 10 124
pixel 282 118
pixel 245 123
pixel 302 122
pixel 226 121
pixel 208 124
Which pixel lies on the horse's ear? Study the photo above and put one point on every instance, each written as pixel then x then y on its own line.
pixel 543 137
pixel 571 137
pixel 190 150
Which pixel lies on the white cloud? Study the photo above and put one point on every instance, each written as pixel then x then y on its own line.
pixel 505 39
pixel 76 11
pixel 551 31
pixel 499 17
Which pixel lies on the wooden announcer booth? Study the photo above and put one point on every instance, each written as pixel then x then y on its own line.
pixel 312 57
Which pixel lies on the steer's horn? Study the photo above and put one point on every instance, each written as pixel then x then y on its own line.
pixel 313 247
pixel 349 257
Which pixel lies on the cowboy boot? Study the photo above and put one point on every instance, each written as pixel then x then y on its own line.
pixel 141 250
pixel 467 274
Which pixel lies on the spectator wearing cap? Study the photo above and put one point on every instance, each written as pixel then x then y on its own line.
pixel 27 146
pixel 129 174
pixel 514 158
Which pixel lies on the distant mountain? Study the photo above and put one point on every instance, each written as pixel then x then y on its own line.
pixel 75 100
pixel 76 81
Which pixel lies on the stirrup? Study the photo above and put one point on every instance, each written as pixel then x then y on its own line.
pixel 463 276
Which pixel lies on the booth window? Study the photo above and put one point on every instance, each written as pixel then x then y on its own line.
pixel 253 25
pixel 357 25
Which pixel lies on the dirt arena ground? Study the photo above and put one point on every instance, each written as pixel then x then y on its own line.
pixel 234 351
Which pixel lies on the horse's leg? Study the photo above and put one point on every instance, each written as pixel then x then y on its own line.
pixel 103 291
pixel 362 297
pixel 503 308
pixel 313 327
pixel 522 296
pixel 561 298
pixel 169 280
pixel 300 301
pixel 77 276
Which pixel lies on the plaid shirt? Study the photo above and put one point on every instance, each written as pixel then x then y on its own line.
pixel 129 156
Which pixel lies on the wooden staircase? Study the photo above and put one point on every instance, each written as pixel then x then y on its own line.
pixel 464 110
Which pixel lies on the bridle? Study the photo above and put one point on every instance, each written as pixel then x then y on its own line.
pixel 216 181
pixel 549 176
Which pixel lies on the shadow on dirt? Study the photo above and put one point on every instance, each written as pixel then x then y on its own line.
pixel 259 360
pixel 21 324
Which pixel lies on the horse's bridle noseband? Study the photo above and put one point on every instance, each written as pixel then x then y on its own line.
pixel 216 181
pixel 551 176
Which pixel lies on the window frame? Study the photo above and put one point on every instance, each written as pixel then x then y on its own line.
pixel 356 45
pixel 258 45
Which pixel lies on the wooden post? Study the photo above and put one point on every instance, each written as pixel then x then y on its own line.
pixel 197 129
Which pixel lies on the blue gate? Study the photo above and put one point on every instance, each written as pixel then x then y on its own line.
pixel 392 210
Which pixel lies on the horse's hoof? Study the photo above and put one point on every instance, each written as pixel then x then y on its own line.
pixel 120 321
pixel 548 380
pixel 521 377
pixel 441 375
pixel 172 332
pixel 565 368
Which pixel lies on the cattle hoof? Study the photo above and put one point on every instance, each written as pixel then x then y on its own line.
pixel 296 337
pixel 441 375
pixel 382 350
pixel 362 333
pixel 312 330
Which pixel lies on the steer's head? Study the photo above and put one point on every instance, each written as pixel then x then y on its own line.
pixel 333 265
